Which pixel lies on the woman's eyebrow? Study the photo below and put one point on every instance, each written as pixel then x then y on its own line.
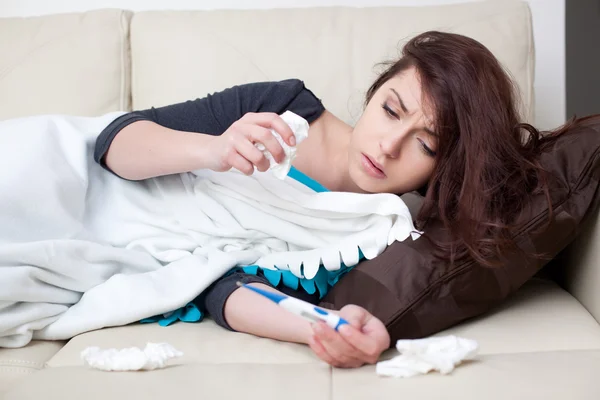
pixel 429 131
pixel 403 106
pixel 400 100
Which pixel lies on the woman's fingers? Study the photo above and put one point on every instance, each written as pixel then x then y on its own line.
pixel 342 352
pixel 264 136
pixel 321 351
pixel 239 141
pixel 368 347
pixel 247 150
pixel 365 332
pixel 272 121
pixel 241 164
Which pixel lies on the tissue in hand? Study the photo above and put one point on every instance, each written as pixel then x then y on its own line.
pixel 300 128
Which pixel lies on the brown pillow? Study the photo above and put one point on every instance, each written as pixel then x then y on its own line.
pixel 417 295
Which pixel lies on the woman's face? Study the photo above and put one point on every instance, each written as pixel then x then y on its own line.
pixel 393 145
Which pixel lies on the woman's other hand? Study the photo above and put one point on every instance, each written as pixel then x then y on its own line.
pixel 361 342
pixel 235 148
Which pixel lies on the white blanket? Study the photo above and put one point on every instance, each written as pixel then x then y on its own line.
pixel 81 249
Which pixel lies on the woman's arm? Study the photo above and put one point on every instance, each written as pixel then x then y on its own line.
pixel 172 139
pixel 144 149
pixel 245 311
pixel 163 151
pixel 361 342
pixel 242 310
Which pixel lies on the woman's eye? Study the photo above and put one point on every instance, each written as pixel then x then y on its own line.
pixel 389 111
pixel 427 150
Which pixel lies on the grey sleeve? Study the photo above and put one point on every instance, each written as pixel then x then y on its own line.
pixel 214 298
pixel 214 113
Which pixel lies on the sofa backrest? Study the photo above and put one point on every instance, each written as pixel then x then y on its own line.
pixel 100 61
pixel 65 64
pixel 182 55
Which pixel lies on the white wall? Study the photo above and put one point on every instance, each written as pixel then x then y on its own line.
pixel 548 22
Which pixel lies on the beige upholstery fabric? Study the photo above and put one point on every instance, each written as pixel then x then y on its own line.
pixel 533 321
pixel 184 55
pixel 198 381
pixel 547 375
pixel 65 64
pixel 540 317
pixel 580 269
pixel 542 342
pixel 19 363
pixel 204 343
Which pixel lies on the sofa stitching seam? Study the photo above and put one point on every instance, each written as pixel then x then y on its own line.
pixel 17 361
pixel 121 53
pixel 24 370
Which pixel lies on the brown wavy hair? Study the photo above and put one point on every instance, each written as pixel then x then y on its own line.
pixel 487 161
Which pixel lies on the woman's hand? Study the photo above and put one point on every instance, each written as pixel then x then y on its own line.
pixel 361 342
pixel 235 147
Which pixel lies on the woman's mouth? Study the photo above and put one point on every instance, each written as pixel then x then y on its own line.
pixel 371 167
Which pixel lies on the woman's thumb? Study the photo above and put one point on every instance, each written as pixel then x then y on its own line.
pixel 356 316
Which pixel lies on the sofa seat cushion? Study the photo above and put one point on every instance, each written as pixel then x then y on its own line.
pixel 201 343
pixel 193 381
pixel 552 375
pixel 539 317
pixel 18 363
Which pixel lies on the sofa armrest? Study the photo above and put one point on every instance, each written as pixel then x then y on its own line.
pixel 579 265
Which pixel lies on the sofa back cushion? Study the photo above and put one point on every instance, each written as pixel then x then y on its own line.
pixel 182 55
pixel 65 64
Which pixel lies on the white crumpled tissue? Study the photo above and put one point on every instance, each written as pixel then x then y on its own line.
pixel 299 126
pixel 420 356
pixel 154 355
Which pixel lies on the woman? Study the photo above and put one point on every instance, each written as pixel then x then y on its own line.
pixel 442 120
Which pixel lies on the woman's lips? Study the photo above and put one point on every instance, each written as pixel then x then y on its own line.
pixel 371 167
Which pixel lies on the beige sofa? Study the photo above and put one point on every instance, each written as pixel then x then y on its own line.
pixel 542 343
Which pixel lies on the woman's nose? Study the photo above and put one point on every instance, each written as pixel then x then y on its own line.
pixel 391 142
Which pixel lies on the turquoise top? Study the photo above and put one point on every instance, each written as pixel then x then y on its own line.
pixel 322 282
